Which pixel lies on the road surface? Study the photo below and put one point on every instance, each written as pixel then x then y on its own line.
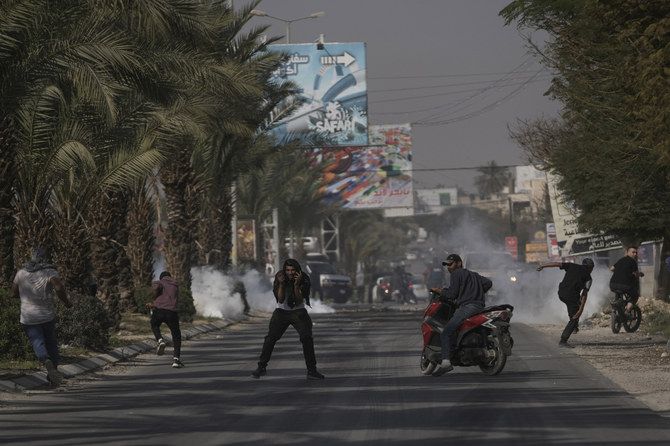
pixel 373 394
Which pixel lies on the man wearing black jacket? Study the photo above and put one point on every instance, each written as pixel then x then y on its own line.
pixel 291 289
pixel 468 290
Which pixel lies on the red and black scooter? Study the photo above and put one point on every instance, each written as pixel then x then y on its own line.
pixel 482 340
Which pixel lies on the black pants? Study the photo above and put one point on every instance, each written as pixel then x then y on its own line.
pixel 573 306
pixel 633 291
pixel 280 321
pixel 171 318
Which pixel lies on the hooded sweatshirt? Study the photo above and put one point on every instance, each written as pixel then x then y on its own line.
pixel 168 293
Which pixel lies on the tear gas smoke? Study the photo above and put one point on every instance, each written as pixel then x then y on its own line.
pixel 214 297
pixel 534 294
pixel 537 300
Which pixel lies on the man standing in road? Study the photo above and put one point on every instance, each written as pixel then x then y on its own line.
pixel 291 290
pixel 626 277
pixel 577 280
pixel 35 284
pixel 164 309
pixel 468 289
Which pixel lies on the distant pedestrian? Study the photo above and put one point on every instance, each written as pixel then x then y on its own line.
pixel 291 289
pixel 164 309
pixel 577 280
pixel 35 284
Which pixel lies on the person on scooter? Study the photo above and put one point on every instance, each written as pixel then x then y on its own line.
pixel 468 289
pixel 577 280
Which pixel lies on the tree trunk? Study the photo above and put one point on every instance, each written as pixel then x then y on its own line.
pixel 111 265
pixel 7 174
pixel 141 223
pixel 33 229
pixel 177 178
pixel 215 235
pixel 663 279
pixel 72 250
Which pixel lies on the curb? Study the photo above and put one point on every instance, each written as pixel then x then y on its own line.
pixel 39 379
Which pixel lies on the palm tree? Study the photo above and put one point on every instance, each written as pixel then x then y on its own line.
pixel 7 170
pixel 492 180
pixel 242 99
pixel 141 222
pixel 58 92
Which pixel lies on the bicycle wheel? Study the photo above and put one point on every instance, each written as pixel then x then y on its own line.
pixel 615 321
pixel 632 322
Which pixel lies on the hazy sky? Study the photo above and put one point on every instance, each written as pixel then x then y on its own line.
pixel 449 67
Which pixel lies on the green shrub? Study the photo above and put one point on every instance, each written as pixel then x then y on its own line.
pixel 656 321
pixel 14 345
pixel 186 307
pixel 143 295
pixel 85 325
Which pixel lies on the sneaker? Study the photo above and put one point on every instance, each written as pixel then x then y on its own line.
pixel 564 344
pixel 53 375
pixel 314 374
pixel 260 371
pixel 443 367
pixel 161 347
pixel 177 364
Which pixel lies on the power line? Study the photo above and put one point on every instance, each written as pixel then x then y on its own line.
pixel 433 76
pixel 460 84
pixel 437 107
pixel 477 112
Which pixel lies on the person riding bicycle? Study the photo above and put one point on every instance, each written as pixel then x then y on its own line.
pixel 626 278
pixel 467 289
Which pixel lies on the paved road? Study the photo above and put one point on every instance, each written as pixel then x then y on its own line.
pixel 373 394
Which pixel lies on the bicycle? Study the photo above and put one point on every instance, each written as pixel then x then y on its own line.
pixel 619 318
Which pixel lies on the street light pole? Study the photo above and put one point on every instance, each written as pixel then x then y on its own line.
pixel 259 13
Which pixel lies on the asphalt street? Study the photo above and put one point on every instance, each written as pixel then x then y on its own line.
pixel 373 394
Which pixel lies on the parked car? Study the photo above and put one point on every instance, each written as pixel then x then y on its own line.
pixel 419 288
pixel 435 276
pixel 501 268
pixel 309 244
pixel 327 283
pixel 317 257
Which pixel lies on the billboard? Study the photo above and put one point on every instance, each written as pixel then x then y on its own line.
pixel 246 239
pixel 570 240
pixel 378 176
pixel 332 84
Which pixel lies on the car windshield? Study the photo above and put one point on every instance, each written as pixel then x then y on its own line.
pixel 323 268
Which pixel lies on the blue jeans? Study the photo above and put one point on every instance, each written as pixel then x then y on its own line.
pixel 43 339
pixel 462 313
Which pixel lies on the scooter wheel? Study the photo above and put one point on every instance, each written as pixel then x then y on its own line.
pixel 427 366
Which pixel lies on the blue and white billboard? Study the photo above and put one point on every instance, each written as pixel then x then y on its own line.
pixel 333 87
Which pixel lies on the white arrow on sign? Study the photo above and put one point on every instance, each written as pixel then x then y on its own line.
pixel 346 59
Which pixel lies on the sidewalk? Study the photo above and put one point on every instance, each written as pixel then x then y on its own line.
pixel 39 379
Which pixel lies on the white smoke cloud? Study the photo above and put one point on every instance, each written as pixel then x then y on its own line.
pixel 214 297
pixel 535 294
pixel 540 303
